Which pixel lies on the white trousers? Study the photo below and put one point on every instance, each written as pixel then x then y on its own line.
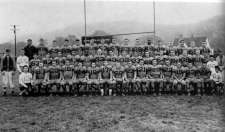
pixel 7 79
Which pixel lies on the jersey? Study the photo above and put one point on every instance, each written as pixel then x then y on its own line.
pixel 68 71
pixel 54 72
pixel 118 72
pixel 155 71
pixel 39 73
pixel 106 72
pixel 167 71
pixel 179 72
pixel 205 72
pixel 47 61
pixel 141 71
pixel 80 72
pixel 130 72
pixel 93 72
pixel 34 62
pixel 191 72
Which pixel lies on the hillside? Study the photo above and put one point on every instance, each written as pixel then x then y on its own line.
pixel 213 28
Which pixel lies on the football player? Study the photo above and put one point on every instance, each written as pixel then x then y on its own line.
pixel 141 78
pixel 80 79
pixel 218 81
pixel 191 72
pixel 106 79
pixel 67 78
pixel 207 82
pixel 40 78
pixel 54 78
pixel 34 62
pixel 179 76
pixel 155 77
pixel 93 80
pixel 118 77
pixel 129 76
pixel 167 71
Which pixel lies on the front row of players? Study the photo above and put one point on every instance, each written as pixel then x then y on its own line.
pixel 124 80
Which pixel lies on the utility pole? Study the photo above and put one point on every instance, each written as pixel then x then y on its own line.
pixel 85 22
pixel 154 42
pixel 14 31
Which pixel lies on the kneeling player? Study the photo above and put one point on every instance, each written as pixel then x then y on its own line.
pixel 179 82
pixel 93 80
pixel 54 79
pixel 67 78
pixel 191 79
pixel 106 79
pixel 40 76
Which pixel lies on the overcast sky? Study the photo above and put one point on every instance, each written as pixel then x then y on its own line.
pixel 37 16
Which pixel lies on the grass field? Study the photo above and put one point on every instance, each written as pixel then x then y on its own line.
pixel 112 114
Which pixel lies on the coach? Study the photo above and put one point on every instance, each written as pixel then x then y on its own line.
pixel 7 69
pixel 30 50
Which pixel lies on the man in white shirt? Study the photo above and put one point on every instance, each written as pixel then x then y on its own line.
pixel 21 61
pixel 212 64
pixel 25 81
pixel 218 81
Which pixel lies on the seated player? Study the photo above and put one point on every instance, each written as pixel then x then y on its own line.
pixel 129 76
pixel 93 80
pixel 218 81
pixel 167 71
pixel 173 58
pixel 191 82
pixel 141 78
pixel 118 77
pixel 106 79
pixel 199 80
pixel 40 78
pixel 207 82
pixel 54 79
pixel 179 76
pixel 184 58
pixel 80 79
pixel 155 78
pixel 67 78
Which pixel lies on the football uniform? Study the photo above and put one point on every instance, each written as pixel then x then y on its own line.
pixel 34 62
pixel 167 72
pixel 179 75
pixel 118 73
pixel 141 78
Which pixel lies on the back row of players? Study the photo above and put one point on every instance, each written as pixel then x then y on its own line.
pixel 123 74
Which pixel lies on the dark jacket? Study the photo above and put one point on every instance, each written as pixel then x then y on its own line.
pixel 29 51
pixel 7 64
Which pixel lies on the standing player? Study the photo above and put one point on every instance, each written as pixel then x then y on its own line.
pixel 179 76
pixel 67 78
pixel 34 62
pixel 40 78
pixel 106 79
pixel 93 80
pixel 118 77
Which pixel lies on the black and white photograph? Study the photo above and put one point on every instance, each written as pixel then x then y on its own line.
pixel 112 66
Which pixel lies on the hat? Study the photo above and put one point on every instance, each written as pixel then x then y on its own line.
pixel 29 40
